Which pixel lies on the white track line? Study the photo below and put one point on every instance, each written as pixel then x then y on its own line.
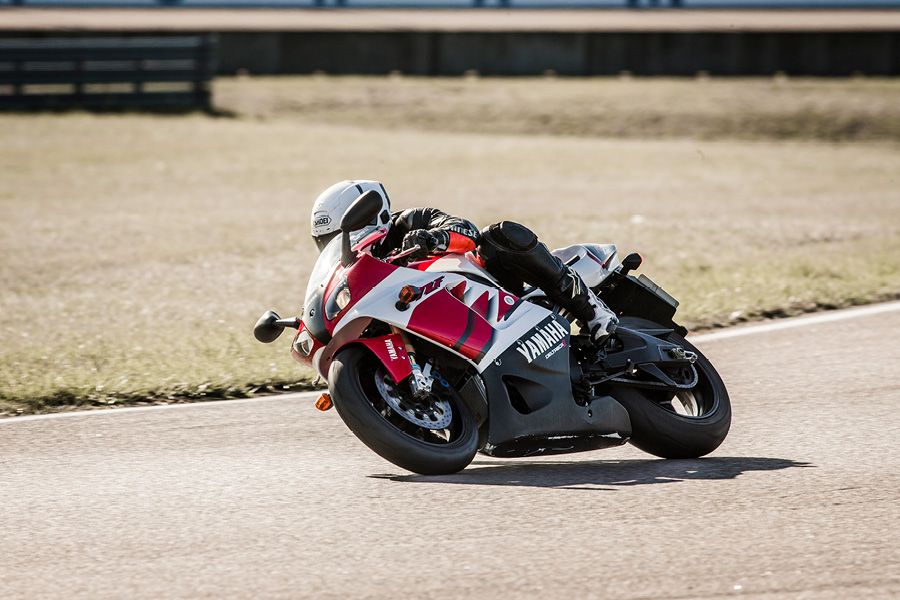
pixel 829 317
pixel 134 409
pixel 806 320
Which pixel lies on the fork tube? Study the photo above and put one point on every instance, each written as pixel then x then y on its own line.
pixel 406 343
pixel 417 381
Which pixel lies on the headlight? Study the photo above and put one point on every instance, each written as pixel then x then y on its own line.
pixel 337 300
pixel 343 298
pixel 303 343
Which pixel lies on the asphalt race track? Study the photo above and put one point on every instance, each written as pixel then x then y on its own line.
pixel 271 498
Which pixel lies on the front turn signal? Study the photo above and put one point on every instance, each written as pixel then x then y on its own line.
pixel 324 402
pixel 408 294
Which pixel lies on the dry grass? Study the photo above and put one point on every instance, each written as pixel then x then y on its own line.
pixel 137 251
pixel 823 109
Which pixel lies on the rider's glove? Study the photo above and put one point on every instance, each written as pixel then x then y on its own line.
pixel 427 241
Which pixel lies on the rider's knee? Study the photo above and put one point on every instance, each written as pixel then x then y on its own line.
pixel 509 236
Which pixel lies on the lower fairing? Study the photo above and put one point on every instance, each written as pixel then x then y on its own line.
pixel 553 444
pixel 531 407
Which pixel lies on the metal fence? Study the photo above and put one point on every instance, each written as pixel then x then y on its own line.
pixel 172 72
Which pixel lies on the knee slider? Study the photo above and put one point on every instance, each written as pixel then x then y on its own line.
pixel 510 235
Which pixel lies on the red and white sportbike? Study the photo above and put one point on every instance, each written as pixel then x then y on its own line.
pixel 429 362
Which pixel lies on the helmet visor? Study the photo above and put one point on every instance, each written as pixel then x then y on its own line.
pixel 322 240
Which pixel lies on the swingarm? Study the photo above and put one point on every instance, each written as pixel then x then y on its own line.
pixel 641 358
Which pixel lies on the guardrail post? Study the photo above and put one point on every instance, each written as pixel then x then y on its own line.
pixel 17 86
pixel 203 71
pixel 79 76
pixel 138 82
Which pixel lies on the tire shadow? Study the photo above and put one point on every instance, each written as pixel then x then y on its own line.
pixel 605 475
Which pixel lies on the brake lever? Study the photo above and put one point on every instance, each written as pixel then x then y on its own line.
pixel 394 257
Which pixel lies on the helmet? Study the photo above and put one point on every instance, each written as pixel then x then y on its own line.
pixel 331 205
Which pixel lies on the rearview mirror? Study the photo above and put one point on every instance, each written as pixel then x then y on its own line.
pixel 267 329
pixel 362 212
pixel 270 325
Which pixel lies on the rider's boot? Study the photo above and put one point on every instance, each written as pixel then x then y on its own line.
pixel 595 317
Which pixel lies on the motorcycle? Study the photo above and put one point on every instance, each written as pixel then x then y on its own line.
pixel 430 361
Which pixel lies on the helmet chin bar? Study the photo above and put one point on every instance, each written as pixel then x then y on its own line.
pixel 323 240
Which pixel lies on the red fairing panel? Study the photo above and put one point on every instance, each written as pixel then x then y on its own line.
pixel 365 274
pixel 439 317
pixel 505 304
pixel 480 338
pixel 390 351
pixel 422 265
pixel 482 304
pixel 444 319
pixel 458 291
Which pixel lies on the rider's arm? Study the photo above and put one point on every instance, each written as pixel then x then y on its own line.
pixel 459 237
pixel 454 234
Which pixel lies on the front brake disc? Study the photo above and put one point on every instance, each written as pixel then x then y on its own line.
pixel 431 412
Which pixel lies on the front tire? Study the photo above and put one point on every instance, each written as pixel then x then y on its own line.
pixel 687 425
pixel 356 382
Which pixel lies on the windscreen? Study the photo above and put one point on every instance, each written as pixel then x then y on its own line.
pixel 318 279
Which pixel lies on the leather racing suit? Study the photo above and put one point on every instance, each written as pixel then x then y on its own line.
pixel 510 252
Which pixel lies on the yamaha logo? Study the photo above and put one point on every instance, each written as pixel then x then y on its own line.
pixel 547 341
pixel 391 350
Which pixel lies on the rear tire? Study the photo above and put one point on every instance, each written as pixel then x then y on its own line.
pixel 351 383
pixel 658 429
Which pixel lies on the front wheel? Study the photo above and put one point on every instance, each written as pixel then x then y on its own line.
pixel 689 424
pixel 432 436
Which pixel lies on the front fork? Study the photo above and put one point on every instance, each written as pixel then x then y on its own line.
pixel 421 381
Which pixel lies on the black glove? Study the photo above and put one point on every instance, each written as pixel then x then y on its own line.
pixel 424 239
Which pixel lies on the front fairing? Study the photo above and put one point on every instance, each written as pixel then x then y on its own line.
pixel 325 272
pixel 313 303
pixel 465 313
pixel 304 346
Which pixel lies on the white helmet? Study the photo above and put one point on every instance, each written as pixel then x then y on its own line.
pixel 331 205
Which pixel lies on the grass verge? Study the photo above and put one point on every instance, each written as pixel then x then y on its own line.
pixel 138 250
pixel 859 109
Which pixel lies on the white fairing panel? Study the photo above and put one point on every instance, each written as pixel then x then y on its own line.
pixel 593 262
pixel 509 317
pixel 460 263
pixel 526 317
pixel 521 321
pixel 380 303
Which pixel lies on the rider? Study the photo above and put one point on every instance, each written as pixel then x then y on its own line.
pixel 509 251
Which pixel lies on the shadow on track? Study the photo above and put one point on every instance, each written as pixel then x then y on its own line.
pixel 594 474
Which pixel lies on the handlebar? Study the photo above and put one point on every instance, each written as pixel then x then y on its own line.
pixel 394 257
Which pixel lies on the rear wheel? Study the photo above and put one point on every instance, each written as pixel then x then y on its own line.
pixel 432 436
pixel 688 424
